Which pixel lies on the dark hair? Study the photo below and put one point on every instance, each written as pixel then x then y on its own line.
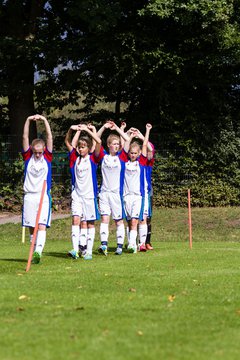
pixel 87 140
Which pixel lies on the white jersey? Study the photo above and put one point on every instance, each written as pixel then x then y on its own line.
pixel 134 179
pixel 36 171
pixel 83 170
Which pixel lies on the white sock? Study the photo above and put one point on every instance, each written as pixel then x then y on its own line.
pixel 40 241
pixel 30 238
pixel 120 232
pixel 90 240
pixel 75 237
pixel 133 238
pixel 83 237
pixel 104 232
pixel 142 233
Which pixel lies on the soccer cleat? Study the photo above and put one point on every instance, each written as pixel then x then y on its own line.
pixel 142 248
pixel 87 256
pixel 82 253
pixel 73 254
pixel 149 247
pixel 132 249
pixel 103 250
pixel 36 257
pixel 118 251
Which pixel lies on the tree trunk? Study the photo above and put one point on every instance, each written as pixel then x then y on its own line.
pixel 20 107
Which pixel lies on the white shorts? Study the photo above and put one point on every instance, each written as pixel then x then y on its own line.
pixel 111 204
pixel 85 208
pixel 30 208
pixel 133 205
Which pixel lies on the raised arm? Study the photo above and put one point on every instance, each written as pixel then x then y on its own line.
pixel 146 138
pixel 119 131
pixel 122 127
pixel 75 139
pixel 49 138
pixel 94 136
pixel 25 138
pixel 93 129
pixel 141 137
pixel 68 137
pixel 105 126
pixel 131 135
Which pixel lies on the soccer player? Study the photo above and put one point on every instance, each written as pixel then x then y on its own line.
pixel 150 162
pixel 135 184
pixel 83 166
pixel 144 226
pixel 111 190
pixel 82 240
pixel 37 168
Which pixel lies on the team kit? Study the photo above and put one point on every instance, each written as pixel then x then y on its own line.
pixel 123 195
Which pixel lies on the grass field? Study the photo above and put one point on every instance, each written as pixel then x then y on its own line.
pixel 169 303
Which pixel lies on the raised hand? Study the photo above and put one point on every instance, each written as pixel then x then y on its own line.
pixel 149 126
pixel 75 127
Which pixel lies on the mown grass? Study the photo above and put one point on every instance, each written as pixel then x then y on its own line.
pixel 171 303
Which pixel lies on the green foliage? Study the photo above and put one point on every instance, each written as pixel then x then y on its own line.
pixel 11 191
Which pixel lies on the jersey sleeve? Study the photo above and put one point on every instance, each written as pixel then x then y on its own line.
pixel 123 155
pixel 97 159
pixel 72 157
pixel 142 160
pixel 27 154
pixel 48 155
pixel 150 162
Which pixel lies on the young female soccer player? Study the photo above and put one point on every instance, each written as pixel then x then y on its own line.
pixel 83 168
pixel 111 190
pixel 37 168
pixel 134 185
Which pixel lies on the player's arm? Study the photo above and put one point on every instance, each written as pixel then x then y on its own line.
pixel 105 126
pixel 49 138
pixel 94 136
pixel 122 134
pixel 93 129
pixel 146 138
pixel 68 137
pixel 122 127
pixel 131 135
pixel 141 137
pixel 25 138
pixel 75 139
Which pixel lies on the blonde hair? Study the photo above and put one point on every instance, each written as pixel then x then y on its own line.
pixel 135 144
pixel 111 138
pixel 38 142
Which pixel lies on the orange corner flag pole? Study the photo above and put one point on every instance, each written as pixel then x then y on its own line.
pixel 36 226
pixel 189 219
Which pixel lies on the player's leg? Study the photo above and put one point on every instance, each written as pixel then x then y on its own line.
pixel 83 238
pixel 149 225
pixel 117 210
pixel 133 224
pixel 142 230
pixel 105 211
pixel 90 240
pixel 120 234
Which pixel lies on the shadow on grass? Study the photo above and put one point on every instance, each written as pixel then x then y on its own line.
pixel 56 254
pixel 15 260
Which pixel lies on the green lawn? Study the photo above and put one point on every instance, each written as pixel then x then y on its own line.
pixel 169 303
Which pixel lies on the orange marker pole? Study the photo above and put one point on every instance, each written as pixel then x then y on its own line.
pixel 36 226
pixel 189 219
